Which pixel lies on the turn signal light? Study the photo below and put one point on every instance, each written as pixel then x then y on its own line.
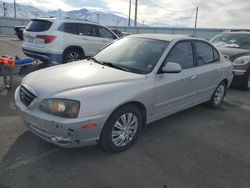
pixel 88 126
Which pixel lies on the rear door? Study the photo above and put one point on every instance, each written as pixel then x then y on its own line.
pixel 36 28
pixel 209 70
pixel 176 91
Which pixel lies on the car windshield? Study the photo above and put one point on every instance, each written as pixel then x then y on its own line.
pixel 241 41
pixel 135 55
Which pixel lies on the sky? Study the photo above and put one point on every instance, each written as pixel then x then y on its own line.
pixel 211 14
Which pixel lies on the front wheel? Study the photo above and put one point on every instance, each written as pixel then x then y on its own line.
pixel 121 129
pixel 218 95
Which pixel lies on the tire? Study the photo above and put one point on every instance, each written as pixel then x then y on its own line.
pixel 117 134
pixel 246 83
pixel 218 95
pixel 20 36
pixel 72 54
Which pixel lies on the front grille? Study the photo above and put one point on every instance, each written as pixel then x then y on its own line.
pixel 26 96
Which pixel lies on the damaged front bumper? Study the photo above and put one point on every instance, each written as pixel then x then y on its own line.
pixel 64 132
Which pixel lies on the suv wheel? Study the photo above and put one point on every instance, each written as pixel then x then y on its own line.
pixel 246 83
pixel 121 129
pixel 72 54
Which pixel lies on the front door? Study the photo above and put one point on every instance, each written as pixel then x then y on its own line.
pixel 176 91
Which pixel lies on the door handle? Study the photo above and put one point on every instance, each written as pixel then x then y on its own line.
pixel 219 70
pixel 193 77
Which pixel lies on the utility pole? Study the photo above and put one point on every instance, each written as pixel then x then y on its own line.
pixel 129 13
pixel 98 17
pixel 4 9
pixel 36 14
pixel 196 17
pixel 136 4
pixel 15 8
pixel 59 12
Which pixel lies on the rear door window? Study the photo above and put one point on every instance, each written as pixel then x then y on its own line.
pixel 72 28
pixel 88 30
pixel 38 25
pixel 206 54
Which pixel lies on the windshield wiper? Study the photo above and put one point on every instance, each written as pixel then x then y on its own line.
pixel 115 66
pixel 108 64
pixel 95 60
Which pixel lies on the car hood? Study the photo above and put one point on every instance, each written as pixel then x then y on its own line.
pixel 233 53
pixel 50 81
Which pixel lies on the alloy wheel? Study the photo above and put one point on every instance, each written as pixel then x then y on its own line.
pixel 219 94
pixel 73 56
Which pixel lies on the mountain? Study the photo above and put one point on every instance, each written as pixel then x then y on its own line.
pixel 22 11
pixel 27 11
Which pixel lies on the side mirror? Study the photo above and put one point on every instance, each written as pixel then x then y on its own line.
pixel 171 67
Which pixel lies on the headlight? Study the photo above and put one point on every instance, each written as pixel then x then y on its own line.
pixel 61 107
pixel 241 61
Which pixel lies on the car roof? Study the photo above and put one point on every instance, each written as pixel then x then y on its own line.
pixel 61 19
pixel 164 37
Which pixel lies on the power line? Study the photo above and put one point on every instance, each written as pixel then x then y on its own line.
pixel 188 10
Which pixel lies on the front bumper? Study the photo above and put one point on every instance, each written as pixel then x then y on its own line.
pixel 239 77
pixel 64 132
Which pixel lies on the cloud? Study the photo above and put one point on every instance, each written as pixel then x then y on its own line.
pixel 229 14
pixel 46 4
pixel 98 4
pixel 212 13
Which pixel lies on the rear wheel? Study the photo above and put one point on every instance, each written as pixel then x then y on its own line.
pixel 246 83
pixel 72 54
pixel 218 95
pixel 121 129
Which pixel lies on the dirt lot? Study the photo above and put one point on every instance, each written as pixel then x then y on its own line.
pixel 199 147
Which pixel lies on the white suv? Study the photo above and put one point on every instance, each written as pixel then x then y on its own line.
pixel 64 40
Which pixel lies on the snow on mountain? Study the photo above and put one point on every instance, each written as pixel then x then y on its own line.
pixel 26 11
pixel 22 11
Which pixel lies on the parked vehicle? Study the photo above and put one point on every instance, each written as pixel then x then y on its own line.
pixel 64 40
pixel 108 98
pixel 117 32
pixel 236 45
pixel 19 31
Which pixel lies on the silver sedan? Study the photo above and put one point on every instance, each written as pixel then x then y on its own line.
pixel 110 97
